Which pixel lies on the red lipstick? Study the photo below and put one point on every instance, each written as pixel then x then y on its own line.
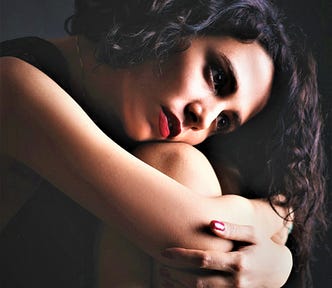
pixel 163 124
pixel 169 124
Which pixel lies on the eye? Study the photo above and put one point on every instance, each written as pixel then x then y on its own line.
pixel 223 123
pixel 218 78
pixel 219 74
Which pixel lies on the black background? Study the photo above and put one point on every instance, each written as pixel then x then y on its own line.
pixel 45 18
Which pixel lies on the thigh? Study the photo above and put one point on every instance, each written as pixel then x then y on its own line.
pixel 121 264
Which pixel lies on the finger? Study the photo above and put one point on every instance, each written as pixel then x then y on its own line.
pixel 185 258
pixel 208 259
pixel 243 233
pixel 180 278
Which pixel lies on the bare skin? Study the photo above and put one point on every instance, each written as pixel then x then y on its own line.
pixel 79 159
pixel 133 267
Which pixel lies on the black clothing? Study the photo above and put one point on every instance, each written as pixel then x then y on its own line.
pixel 50 241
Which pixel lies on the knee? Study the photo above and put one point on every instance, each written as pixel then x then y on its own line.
pixel 182 162
pixel 170 155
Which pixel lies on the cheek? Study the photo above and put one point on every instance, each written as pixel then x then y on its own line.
pixel 251 101
pixel 176 73
pixel 256 104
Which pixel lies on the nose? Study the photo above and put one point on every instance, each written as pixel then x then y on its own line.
pixel 199 117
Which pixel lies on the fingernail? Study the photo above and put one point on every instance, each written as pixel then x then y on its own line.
pixel 167 254
pixel 217 225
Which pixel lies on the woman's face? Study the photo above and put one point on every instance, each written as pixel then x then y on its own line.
pixel 213 87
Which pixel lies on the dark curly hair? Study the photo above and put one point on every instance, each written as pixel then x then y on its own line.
pixel 280 151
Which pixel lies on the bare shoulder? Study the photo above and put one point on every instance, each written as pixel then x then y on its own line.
pixel 13 65
pixel 13 70
pixel 21 79
pixel 183 163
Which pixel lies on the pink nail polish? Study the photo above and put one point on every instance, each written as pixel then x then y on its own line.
pixel 217 225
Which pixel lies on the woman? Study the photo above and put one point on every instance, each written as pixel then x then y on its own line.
pixel 254 22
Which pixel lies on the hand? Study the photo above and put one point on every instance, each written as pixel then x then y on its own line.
pixel 262 263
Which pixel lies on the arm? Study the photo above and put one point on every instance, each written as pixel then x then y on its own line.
pixel 263 263
pixel 43 127
pixel 250 266
pixel 188 166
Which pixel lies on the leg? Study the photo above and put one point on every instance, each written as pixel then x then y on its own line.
pixel 184 164
pixel 121 264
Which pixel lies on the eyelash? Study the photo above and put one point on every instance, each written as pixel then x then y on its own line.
pixel 217 77
pixel 223 123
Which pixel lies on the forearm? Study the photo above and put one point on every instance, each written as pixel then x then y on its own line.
pixel 190 167
pixel 48 131
pixel 44 128
pixel 270 221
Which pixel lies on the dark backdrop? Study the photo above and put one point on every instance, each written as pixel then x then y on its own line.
pixel 315 19
pixel 45 18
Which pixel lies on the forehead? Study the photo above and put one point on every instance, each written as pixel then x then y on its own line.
pixel 243 56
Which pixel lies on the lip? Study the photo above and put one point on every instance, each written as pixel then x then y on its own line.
pixel 163 124
pixel 169 124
